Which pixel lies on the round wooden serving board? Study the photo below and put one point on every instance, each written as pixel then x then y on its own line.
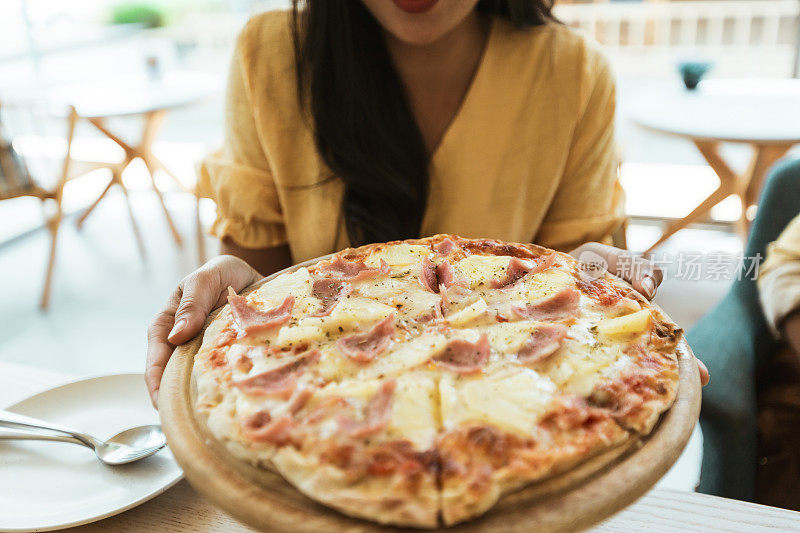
pixel 575 500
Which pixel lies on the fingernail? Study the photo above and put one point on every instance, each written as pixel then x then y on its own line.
pixel 177 328
pixel 649 287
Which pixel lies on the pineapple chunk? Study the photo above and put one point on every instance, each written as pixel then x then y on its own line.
pixel 468 314
pixel 399 255
pixel 350 313
pixel 626 325
pixel 508 337
pixel 544 284
pixel 414 301
pixel 380 288
pixel 292 334
pixel 415 409
pixel 297 284
pixel 512 401
pixel 480 269
pixel 359 391
pixel 413 353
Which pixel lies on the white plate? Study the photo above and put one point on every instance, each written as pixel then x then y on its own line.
pixel 46 485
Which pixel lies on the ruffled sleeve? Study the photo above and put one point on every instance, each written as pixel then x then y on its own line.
pixel 248 207
pixel 238 177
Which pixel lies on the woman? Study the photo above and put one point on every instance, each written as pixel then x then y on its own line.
pixel 351 122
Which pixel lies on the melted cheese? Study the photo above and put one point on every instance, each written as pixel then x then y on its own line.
pixel 508 337
pixel 291 335
pixel 273 292
pixel 513 399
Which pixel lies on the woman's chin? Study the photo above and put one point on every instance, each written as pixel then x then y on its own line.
pixel 419 35
pixel 424 27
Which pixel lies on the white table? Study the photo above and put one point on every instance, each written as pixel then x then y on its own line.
pixel 149 98
pixel 763 113
pixel 98 101
pixel 181 509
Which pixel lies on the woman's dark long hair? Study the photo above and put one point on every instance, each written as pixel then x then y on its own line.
pixel 363 124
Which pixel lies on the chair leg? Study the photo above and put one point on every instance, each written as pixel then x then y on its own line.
pixel 134 225
pixel 723 191
pixel 201 239
pixel 89 210
pixel 156 162
pixel 175 234
pixel 53 225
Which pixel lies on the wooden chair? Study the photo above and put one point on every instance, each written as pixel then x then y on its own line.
pixel 44 176
pixel 16 181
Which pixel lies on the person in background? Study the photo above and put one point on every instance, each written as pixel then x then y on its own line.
pixel 778 473
pixel 751 410
pixel 366 121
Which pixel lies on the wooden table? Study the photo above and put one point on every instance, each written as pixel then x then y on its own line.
pixel 762 113
pixel 181 509
pixel 149 98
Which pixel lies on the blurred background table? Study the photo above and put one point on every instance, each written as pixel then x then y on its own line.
pixel 150 98
pixel 763 113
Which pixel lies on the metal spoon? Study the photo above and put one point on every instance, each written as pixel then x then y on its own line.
pixel 124 447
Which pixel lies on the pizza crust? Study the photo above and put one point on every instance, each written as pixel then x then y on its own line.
pixel 382 499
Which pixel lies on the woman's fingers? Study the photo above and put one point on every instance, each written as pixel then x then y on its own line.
pixel 159 349
pixel 642 274
pixel 195 297
pixel 200 292
pixel 704 375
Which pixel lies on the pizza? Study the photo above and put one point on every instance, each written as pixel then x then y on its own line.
pixel 414 383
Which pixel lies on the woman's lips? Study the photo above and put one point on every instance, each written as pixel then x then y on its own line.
pixel 415 6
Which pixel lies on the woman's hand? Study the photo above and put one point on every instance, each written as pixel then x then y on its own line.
pixel 186 311
pixel 642 274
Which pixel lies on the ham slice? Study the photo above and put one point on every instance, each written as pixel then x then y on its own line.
pixel 352 270
pixel 261 427
pixel 465 357
pixel 279 381
pixel 453 294
pixel 364 347
pixel 543 343
pixel 445 275
pixel 517 269
pixel 427 275
pixel 436 278
pixel 330 291
pixel 445 247
pixel 299 400
pixel 560 306
pixel 249 319
pixel 376 413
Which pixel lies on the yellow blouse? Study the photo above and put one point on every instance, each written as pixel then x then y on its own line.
pixel 529 156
